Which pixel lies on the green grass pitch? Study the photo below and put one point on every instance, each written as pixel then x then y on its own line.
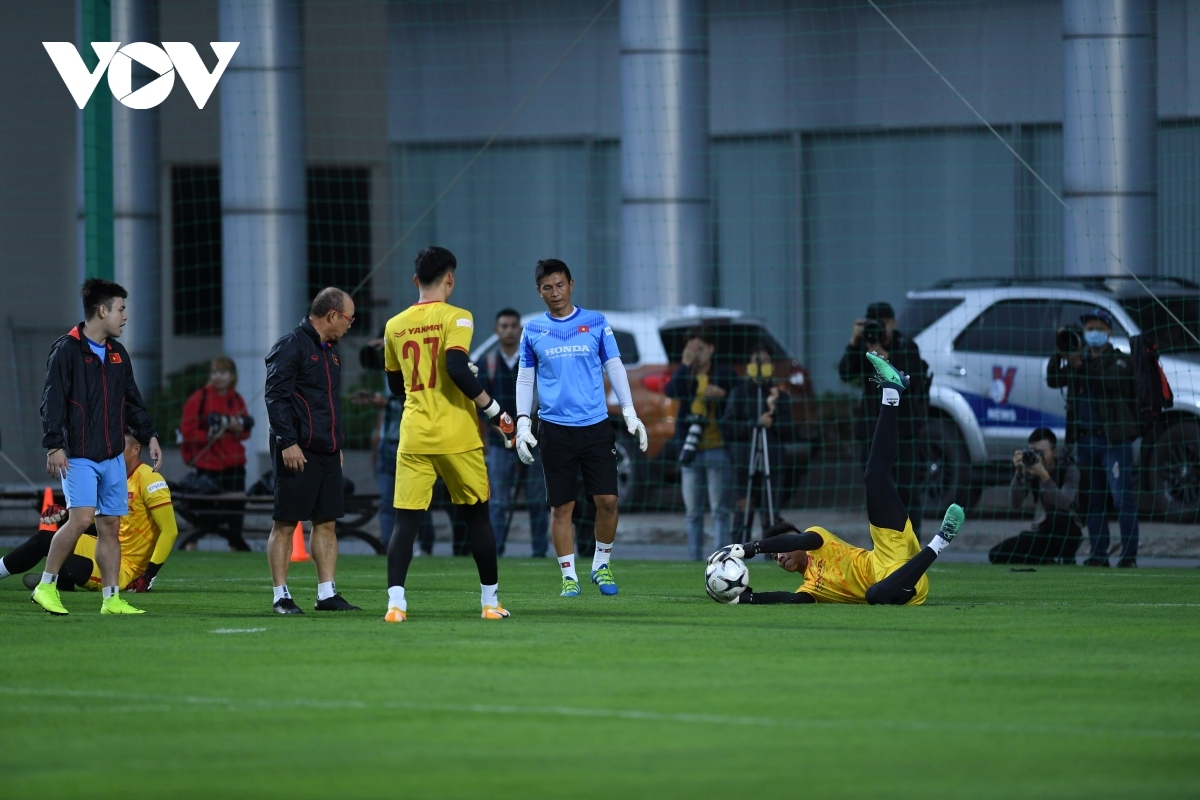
pixel 1064 682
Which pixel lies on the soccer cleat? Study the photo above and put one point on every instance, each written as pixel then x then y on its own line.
pixel 603 578
pixel 886 375
pixel 286 605
pixel 46 596
pixel 495 612
pixel 31 580
pixel 570 588
pixel 116 605
pixel 952 522
pixel 395 615
pixel 335 603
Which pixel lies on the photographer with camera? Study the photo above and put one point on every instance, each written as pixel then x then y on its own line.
pixel 877 334
pixel 1052 480
pixel 213 426
pixel 758 410
pixel 700 386
pixel 1102 422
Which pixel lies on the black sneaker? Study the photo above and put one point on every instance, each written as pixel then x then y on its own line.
pixel 335 603
pixel 286 605
pixel 1127 563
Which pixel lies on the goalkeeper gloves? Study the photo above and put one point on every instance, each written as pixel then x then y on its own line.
pixel 635 427
pixel 503 421
pixel 525 441
pixel 54 515
pixel 742 551
pixel 144 582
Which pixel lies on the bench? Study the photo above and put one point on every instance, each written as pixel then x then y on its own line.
pixel 201 511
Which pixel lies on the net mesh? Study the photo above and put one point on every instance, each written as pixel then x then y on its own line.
pixel 759 171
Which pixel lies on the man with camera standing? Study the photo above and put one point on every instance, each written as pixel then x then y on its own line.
pixel 701 386
pixel 1102 422
pixel 1041 472
pixel 877 334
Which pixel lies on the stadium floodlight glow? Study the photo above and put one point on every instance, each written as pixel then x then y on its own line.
pixel 164 61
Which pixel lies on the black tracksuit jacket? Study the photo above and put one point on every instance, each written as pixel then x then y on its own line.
pixel 304 404
pixel 88 402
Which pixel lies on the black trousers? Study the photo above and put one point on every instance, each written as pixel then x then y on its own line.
pixel 1054 541
pixel 228 526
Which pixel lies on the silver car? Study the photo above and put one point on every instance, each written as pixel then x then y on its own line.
pixel 987 344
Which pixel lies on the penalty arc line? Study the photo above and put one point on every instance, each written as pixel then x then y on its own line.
pixel 196 702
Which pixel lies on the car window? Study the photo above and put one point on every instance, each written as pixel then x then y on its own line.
pixel 1070 313
pixel 1017 327
pixel 921 312
pixel 1153 319
pixel 732 342
pixel 627 344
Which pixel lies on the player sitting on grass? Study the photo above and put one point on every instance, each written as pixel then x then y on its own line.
pixel 893 573
pixel 147 535
pixel 566 354
pixel 425 354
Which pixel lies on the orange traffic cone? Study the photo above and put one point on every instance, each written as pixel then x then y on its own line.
pixel 299 552
pixel 47 501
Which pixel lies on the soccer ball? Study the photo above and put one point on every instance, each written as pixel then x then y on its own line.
pixel 726 579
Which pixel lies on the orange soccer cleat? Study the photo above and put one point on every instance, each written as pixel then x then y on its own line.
pixel 395 615
pixel 495 612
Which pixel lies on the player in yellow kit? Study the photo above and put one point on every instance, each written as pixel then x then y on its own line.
pixel 147 536
pixel 426 356
pixel 893 571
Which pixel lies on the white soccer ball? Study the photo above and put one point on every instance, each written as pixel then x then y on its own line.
pixel 726 579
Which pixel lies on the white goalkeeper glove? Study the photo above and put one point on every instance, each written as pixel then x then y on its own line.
pixel 635 426
pixel 730 551
pixel 525 441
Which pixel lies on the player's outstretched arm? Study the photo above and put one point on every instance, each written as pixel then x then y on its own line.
pixel 618 378
pixel 163 517
pixel 784 538
pixel 524 440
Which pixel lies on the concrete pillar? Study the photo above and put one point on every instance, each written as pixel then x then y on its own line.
pixel 1110 130
pixel 136 262
pixel 666 252
pixel 262 192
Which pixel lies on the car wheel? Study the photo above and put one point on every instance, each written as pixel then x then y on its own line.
pixel 1176 472
pixel 947 477
pixel 631 473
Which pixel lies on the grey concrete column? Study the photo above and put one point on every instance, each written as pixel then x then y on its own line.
pixel 1110 132
pixel 136 262
pixel 262 191
pixel 666 252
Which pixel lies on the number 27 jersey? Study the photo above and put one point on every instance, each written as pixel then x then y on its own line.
pixel 438 417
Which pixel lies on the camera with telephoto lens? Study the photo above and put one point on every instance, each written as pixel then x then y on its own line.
pixel 872 332
pixel 1069 339
pixel 695 430
pixel 1030 456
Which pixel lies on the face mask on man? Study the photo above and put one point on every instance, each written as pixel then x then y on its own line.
pixel 1095 338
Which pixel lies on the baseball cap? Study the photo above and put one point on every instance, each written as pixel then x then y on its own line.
pixel 1097 313
pixel 881 310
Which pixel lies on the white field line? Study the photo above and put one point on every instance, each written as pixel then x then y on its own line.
pixel 238 630
pixel 226 704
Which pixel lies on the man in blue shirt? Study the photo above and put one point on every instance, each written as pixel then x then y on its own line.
pixel 569 351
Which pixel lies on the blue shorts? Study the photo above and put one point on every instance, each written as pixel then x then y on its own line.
pixel 101 485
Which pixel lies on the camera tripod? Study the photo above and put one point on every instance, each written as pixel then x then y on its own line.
pixel 758 467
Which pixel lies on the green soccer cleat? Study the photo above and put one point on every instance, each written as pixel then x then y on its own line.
pixel 115 605
pixel 46 596
pixel 886 374
pixel 603 578
pixel 570 588
pixel 952 522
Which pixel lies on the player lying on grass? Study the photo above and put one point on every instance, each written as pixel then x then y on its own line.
pixel 893 573
pixel 425 354
pixel 147 536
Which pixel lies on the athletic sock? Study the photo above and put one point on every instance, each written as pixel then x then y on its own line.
pixel 4 573
pixel 890 396
pixel 396 598
pixel 602 556
pixel 281 592
pixel 110 591
pixel 567 565
pixel 937 543
pixel 325 590
pixel 48 577
pixel 488 595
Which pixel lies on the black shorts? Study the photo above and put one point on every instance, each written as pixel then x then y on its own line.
pixel 314 495
pixel 567 451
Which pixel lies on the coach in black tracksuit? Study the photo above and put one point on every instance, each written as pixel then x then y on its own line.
pixel 305 411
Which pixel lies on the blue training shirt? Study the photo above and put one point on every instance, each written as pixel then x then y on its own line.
pixel 569 356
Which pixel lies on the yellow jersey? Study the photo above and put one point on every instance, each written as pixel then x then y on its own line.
pixel 139 533
pixel 438 418
pixel 838 572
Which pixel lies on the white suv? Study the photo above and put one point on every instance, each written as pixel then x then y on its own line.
pixel 987 343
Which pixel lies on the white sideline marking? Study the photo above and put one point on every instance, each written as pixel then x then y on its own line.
pixel 238 630
pixel 226 704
